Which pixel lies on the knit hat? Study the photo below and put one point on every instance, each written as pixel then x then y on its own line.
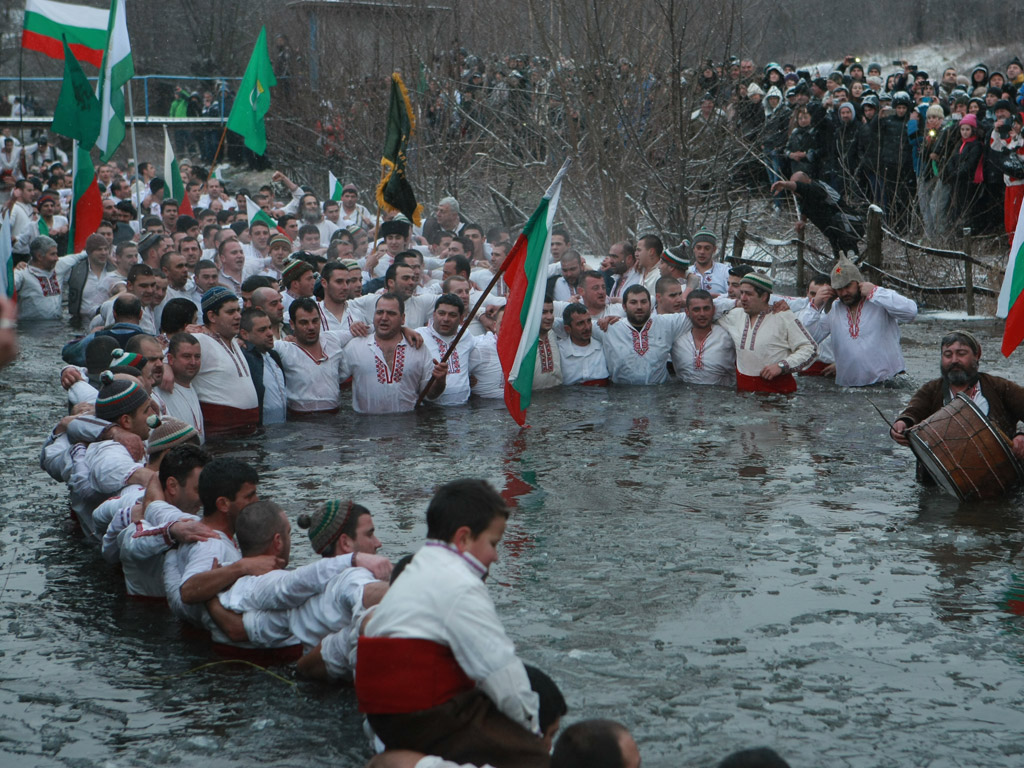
pixel 279 239
pixel 326 523
pixel 1003 104
pixel 755 90
pixel 118 397
pixel 349 188
pixel 935 110
pixel 848 105
pixel 670 256
pixel 844 273
pixel 350 264
pixel 353 229
pixel 970 120
pixel 705 236
pixel 394 227
pixel 759 280
pixel 45 198
pixel 774 92
pixel 294 268
pixel 127 362
pixel 169 433
pixel 148 242
pixel 93 242
pixel 216 296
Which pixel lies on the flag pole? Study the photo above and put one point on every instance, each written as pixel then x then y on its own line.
pixel 135 149
pixel 213 163
pixel 71 208
pixel 465 326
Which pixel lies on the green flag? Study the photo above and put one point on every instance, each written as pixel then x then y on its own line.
pixel 395 193
pixel 77 114
pixel 253 99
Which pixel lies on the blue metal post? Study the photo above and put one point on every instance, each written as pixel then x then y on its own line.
pixel 314 64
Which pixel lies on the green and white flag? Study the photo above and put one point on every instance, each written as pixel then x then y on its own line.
pixel 172 176
pixel 253 100
pixel 254 213
pixel 334 187
pixel 118 68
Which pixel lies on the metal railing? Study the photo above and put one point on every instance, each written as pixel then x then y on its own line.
pixel 145 80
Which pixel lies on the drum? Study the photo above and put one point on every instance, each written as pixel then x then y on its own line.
pixel 966 454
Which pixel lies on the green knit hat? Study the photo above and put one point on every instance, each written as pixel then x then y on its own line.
pixel 759 280
pixel 169 433
pixel 118 397
pixel 326 523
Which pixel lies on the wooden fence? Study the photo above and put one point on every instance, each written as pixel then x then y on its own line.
pixel 871 259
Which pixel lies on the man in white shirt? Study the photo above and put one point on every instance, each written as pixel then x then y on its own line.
pixel 438 338
pixel 488 379
pixel 770 346
pixel 706 354
pixel 224 385
pixel 637 348
pixel 595 296
pixel 568 285
pixel 648 254
pixel 23 217
pixel 38 284
pixel 863 325
pixel 336 279
pixel 352 212
pixel 620 264
pixel 714 275
pixel 312 362
pixel 387 373
pixel 312 213
pixel 581 354
pixel 232 265
pixel 184 358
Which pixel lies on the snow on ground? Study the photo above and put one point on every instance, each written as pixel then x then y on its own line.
pixel 931 57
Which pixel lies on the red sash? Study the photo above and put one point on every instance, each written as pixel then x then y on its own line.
pixel 264 657
pixel 595 383
pixel 784 384
pixel 814 369
pixel 223 419
pixel 396 675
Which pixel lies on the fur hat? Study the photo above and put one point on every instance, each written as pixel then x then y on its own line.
pixel 844 273
pixel 394 227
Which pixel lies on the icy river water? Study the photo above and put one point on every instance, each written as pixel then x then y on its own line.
pixel 714 570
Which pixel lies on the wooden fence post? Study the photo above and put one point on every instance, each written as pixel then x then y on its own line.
pixel 969 271
pixel 873 250
pixel 801 285
pixel 739 242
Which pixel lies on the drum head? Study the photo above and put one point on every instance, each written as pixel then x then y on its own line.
pixel 933 465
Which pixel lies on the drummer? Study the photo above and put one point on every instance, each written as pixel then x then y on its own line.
pixel 999 399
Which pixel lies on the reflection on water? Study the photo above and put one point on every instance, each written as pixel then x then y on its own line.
pixel 715 570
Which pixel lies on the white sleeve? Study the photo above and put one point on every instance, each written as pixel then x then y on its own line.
pixel 486 654
pixel 55 458
pixel 281 590
pixel 141 541
pixel 899 307
pixel 111 467
pixel 86 429
pixel 160 513
pixel 816 321
pixel 110 547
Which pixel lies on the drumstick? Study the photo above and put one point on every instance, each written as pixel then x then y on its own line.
pixel 879 411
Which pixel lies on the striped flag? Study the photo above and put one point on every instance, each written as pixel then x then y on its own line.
pixel 526 277
pixel 85 28
pixel 254 213
pixel 86 204
pixel 1011 303
pixel 172 176
pixel 118 68
pixel 334 187
pixel 6 256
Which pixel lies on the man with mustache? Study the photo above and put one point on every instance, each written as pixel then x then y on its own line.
pixel 999 399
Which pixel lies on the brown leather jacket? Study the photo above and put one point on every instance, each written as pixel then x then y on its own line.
pixel 1005 402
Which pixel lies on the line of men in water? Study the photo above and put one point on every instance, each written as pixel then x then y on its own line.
pixel 244 364
pixel 435 673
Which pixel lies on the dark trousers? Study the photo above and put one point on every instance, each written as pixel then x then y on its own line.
pixel 467 728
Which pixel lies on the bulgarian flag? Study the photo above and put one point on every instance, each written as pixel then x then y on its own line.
pixel 254 213
pixel 172 175
pixel 85 28
pixel 86 205
pixel 333 187
pixel 1011 303
pixel 526 277
pixel 118 68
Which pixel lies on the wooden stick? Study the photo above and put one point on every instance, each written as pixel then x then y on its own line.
pixel 213 164
pixel 465 327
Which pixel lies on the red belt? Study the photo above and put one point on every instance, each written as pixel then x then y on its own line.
pixel 784 384
pixel 595 383
pixel 264 657
pixel 814 369
pixel 222 419
pixel 397 675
